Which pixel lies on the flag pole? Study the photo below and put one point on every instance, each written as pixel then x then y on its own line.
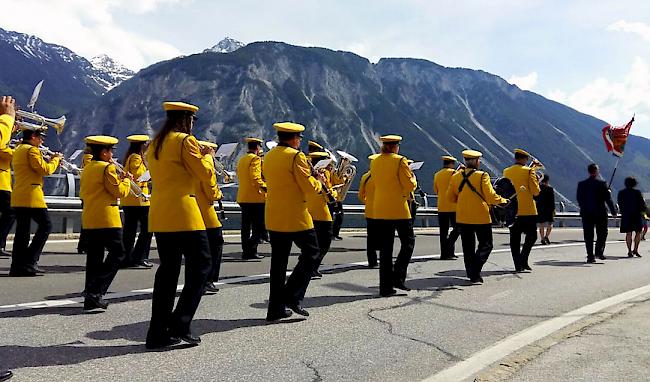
pixel 613 173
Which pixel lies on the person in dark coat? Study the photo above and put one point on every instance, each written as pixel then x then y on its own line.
pixel 632 207
pixel 593 196
pixel 545 209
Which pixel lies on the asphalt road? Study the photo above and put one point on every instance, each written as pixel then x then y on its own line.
pixel 351 334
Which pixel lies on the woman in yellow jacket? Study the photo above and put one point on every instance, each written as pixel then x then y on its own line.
pixel 206 194
pixel 100 188
pixel 366 196
pixel 28 201
pixel 8 214
pixel 175 163
pixel 317 205
pixel 136 209
pixel 82 244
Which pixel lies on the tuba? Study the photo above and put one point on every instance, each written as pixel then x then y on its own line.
pixel 345 170
pixel 538 167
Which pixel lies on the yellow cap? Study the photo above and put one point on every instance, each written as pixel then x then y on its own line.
pixel 104 140
pixel 313 144
pixel 138 138
pixel 208 144
pixel 373 156
pixel 390 138
pixel 449 158
pixel 521 152
pixel 472 154
pixel 251 140
pixel 288 127
pixel 179 106
pixel 319 154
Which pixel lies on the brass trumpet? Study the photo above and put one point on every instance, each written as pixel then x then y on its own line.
pixel 40 122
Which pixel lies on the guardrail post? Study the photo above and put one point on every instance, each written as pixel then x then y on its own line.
pixel 72 190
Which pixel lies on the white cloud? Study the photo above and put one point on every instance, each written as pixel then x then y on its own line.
pixel 89 28
pixel 639 28
pixel 615 101
pixel 526 82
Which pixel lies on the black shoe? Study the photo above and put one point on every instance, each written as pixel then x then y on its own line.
pixel 518 270
pixel 252 257
pixel 146 263
pixel 4 253
pixel 298 309
pixel 23 274
pixel 210 287
pixel 94 304
pixel 389 293
pixel 39 270
pixel 187 337
pixel 637 254
pixel 476 280
pixel 275 317
pixel 316 275
pixel 401 286
pixel 630 254
pixel 372 264
pixel 5 375
pixel 337 238
pixel 161 344
pixel 527 267
pixel 601 257
pixel 591 260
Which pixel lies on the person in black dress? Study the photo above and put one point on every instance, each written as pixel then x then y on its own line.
pixel 545 209
pixel 632 207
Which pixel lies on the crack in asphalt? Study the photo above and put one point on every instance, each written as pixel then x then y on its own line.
pixel 391 330
pixel 310 366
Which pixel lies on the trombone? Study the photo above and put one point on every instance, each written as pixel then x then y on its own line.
pixel 135 189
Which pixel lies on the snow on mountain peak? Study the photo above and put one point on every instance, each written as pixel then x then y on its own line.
pixel 227 45
pixel 112 71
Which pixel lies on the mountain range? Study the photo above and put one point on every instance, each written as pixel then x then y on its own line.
pixel 346 102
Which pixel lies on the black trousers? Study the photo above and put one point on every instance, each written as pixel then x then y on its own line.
pixel 215 241
pixel 447 239
pixel 8 217
pixel 372 241
pixel 134 216
pixel 101 271
pixel 293 292
pixel 324 238
pixel 389 274
pixel 252 219
pixel 475 257
pixel 337 216
pixel 528 226
pixel 588 225
pixel 25 256
pixel 172 247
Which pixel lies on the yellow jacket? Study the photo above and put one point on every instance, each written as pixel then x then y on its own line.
pixel 329 178
pixel 206 194
pixel 6 127
pixel 440 185
pixel 367 194
pixel 317 206
pixel 173 201
pixel 391 200
pixel 29 170
pixel 289 181
pixel 85 160
pixel 523 176
pixel 99 189
pixel 471 208
pixel 6 154
pixel 251 184
pixel 135 165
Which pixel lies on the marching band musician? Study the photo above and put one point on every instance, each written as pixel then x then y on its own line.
pixel 320 213
pixel 473 194
pixel 28 201
pixel 8 214
pixel 366 196
pixel 331 180
pixel 82 244
pixel 7 118
pixel 207 192
pixel 136 208
pixel 175 162
pixel 446 209
pixel 289 180
pixel 251 197
pixel 100 188
pixel 526 184
pixel 391 211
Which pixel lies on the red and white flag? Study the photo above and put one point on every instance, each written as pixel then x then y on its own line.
pixel 616 137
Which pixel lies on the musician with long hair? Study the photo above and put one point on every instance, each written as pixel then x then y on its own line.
pixel 366 196
pixel 251 196
pixel 472 191
pixel 525 182
pixel 446 209
pixel 175 163
pixel 136 209
pixel 100 188
pixel 206 194
pixel 28 200
pixel 320 213
pixel 394 183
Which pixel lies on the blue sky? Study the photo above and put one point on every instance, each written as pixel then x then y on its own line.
pixel 591 55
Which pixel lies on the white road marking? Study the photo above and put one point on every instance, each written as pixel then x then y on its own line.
pixel 230 281
pixel 486 357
